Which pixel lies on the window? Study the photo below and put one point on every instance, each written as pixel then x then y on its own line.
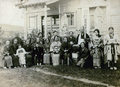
pixel 71 19
pixel 32 22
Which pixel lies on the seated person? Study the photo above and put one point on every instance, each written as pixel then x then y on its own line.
pixel 47 46
pixel 83 58
pixel 12 53
pixel 47 51
pixel 6 57
pixel 21 54
pixel 55 47
pixel 55 43
pixel 65 51
pixel 38 53
pixel 28 49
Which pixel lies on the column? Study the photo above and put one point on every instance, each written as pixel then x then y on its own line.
pixel 59 20
pixel 45 21
pixel 25 23
pixel 108 14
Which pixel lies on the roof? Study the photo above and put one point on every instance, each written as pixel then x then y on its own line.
pixel 28 3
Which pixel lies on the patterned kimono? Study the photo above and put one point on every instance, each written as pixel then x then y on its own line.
pixel 108 50
pixel 97 51
pixel 21 54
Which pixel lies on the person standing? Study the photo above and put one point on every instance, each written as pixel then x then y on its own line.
pixel 111 48
pixel 97 49
pixel 83 37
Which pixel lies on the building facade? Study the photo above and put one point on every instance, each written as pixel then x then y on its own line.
pixel 70 15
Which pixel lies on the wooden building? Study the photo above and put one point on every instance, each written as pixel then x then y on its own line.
pixel 70 15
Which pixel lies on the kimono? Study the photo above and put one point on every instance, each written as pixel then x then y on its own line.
pixel 64 55
pixel 38 52
pixel 83 58
pixel 72 40
pixel 55 49
pixel 28 48
pixel 21 54
pixel 108 50
pixel 47 53
pixel 15 59
pixel 97 51
pixel 55 44
pixel 7 59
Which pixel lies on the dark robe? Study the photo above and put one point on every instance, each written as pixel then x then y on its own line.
pixel 28 48
pixel 15 59
pixel 38 52
pixel 85 55
pixel 65 46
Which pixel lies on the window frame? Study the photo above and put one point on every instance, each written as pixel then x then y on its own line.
pixel 74 23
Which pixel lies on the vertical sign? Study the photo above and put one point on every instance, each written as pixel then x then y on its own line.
pixel 85 19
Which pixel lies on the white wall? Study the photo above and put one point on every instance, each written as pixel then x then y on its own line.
pixel 9 14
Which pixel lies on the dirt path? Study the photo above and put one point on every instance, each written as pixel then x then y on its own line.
pixel 71 78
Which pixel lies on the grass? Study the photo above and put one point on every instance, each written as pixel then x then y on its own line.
pixel 102 75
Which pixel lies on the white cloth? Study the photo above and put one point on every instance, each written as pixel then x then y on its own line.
pixel 46 58
pixel 80 40
pixel 21 54
pixel 55 59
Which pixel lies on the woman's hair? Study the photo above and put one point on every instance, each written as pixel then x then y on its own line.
pixel 98 32
pixel 110 28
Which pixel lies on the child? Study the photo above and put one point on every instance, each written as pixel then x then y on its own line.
pixel 21 54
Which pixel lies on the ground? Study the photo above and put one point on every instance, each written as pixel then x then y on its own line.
pixel 63 76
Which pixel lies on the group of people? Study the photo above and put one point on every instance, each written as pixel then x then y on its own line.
pixel 92 51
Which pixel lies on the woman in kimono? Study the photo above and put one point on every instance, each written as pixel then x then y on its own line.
pixel 97 49
pixel 7 59
pixel 21 54
pixel 47 51
pixel 65 52
pixel 83 56
pixel 55 43
pixel 111 48
pixel 55 49
pixel 28 49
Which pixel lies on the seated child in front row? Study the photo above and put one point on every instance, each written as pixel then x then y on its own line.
pixel 21 54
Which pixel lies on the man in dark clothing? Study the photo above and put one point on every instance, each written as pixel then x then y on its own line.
pixel 65 51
